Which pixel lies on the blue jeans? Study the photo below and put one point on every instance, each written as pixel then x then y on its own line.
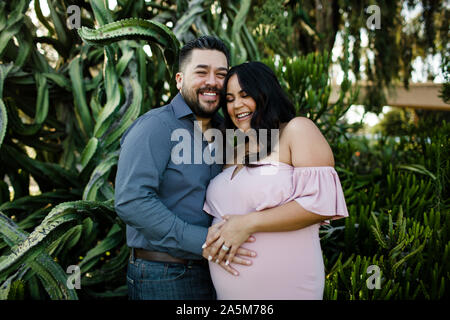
pixel 151 280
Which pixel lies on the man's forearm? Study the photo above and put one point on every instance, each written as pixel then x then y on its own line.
pixel 160 225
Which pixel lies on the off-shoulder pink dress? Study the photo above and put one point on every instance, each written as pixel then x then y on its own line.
pixel 288 265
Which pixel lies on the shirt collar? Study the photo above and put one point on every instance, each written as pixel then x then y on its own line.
pixel 180 108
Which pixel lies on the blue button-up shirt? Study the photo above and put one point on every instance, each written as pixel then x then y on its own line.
pixel 160 201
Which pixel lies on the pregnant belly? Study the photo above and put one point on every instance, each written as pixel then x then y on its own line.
pixel 288 265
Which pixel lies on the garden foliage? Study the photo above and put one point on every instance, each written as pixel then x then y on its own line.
pixel 61 120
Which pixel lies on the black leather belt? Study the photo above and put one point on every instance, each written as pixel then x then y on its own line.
pixel 164 257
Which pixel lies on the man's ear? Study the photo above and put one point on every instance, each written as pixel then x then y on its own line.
pixel 179 79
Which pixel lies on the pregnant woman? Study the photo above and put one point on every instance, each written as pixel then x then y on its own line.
pixel 281 200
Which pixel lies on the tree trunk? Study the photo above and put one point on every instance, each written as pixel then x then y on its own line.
pixel 327 23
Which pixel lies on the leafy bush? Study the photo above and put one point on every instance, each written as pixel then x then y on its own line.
pixel 60 124
pixel 60 127
pixel 397 191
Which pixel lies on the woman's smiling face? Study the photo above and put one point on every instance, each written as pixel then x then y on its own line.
pixel 240 105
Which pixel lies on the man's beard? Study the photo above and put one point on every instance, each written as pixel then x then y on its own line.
pixel 192 100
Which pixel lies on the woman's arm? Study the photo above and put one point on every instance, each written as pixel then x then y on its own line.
pixel 308 148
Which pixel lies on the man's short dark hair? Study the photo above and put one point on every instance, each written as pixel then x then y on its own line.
pixel 204 43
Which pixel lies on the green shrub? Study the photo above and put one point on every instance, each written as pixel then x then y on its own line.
pixel 60 123
pixel 396 190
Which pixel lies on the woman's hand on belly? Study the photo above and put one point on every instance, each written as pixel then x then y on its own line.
pixel 228 238
pixel 213 249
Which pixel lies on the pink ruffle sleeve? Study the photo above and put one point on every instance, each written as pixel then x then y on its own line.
pixel 208 210
pixel 319 190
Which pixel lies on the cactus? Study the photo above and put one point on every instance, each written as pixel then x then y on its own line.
pixel 73 122
pixel 61 121
pixel 129 29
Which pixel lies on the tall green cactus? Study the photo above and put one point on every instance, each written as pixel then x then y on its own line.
pixel 61 120
pixel 76 121
pixel 138 29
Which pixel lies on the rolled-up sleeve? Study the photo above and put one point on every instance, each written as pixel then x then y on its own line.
pixel 145 153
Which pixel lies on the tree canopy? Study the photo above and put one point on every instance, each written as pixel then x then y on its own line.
pixel 381 56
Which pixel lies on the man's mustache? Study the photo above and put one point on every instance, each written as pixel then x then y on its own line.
pixel 208 89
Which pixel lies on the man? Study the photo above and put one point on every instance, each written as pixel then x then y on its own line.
pixel 161 201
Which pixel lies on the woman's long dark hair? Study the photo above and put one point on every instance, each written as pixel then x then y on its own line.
pixel 272 104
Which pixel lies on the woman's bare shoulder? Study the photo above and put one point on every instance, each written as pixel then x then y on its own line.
pixel 307 144
pixel 300 124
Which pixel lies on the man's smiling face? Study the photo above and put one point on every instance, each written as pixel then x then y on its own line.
pixel 201 80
